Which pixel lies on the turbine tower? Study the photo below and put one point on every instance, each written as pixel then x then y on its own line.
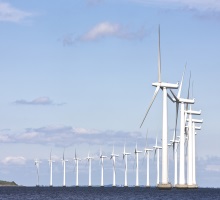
pixel 174 142
pixel 102 167
pixel 157 151
pixel 194 147
pixel 64 169
pixel 113 156
pixel 190 184
pixel 136 152
pixel 182 102
pixel 163 86
pixel 147 152
pixel 77 168
pixel 51 169
pixel 125 158
pixel 37 163
pixel 90 169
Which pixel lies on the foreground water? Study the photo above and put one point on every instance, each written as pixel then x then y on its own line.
pixel 47 193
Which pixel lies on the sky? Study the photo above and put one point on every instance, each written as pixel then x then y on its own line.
pixel 77 75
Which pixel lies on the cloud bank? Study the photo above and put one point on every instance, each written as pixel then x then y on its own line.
pixel 38 101
pixel 11 14
pixel 64 136
pixel 20 160
pixel 202 9
pixel 104 30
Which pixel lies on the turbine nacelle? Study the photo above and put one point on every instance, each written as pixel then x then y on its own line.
pixel 114 155
pixel 157 147
pixel 193 112
pixel 196 120
pixel 166 85
pixel 103 156
pixel 136 151
pixel 147 149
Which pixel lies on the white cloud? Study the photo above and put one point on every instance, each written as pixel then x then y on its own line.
pixel 200 5
pixel 101 30
pixel 37 101
pixel 106 29
pixel 20 160
pixel 11 14
pixel 214 168
pixel 64 136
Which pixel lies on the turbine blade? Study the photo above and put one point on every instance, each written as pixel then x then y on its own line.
pixel 177 111
pixel 175 97
pixel 159 58
pixel 146 138
pixel 171 99
pixel 155 151
pixel 154 96
pixel 188 90
pixel 180 88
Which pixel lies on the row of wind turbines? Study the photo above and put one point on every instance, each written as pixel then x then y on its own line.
pixel 186 141
pixel 113 157
pixel 187 132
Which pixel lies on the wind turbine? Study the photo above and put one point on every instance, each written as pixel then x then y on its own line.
pixel 51 169
pixel 37 163
pixel 113 156
pixel 182 102
pixel 174 142
pixel 125 158
pixel 190 112
pixel 77 168
pixel 194 146
pixel 163 86
pixel 136 152
pixel 102 167
pixel 157 151
pixel 64 169
pixel 89 158
pixel 147 152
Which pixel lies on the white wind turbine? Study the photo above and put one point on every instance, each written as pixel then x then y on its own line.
pixel 64 169
pixel 113 156
pixel 37 163
pixel 147 152
pixel 125 158
pixel 174 142
pixel 190 184
pixel 182 102
pixel 194 147
pixel 157 151
pixel 77 168
pixel 102 167
pixel 51 169
pixel 136 152
pixel 89 158
pixel 164 86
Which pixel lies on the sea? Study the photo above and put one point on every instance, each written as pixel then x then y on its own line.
pixel 114 193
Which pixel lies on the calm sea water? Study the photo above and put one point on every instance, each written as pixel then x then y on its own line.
pixel 46 193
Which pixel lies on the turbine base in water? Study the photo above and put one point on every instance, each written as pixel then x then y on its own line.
pixel 162 186
pixel 181 186
pixel 194 186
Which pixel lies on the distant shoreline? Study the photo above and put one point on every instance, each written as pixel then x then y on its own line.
pixel 7 183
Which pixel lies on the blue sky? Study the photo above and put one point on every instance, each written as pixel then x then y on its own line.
pixel 78 74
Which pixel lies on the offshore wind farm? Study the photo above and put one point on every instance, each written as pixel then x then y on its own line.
pixel 109 99
pixel 186 135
